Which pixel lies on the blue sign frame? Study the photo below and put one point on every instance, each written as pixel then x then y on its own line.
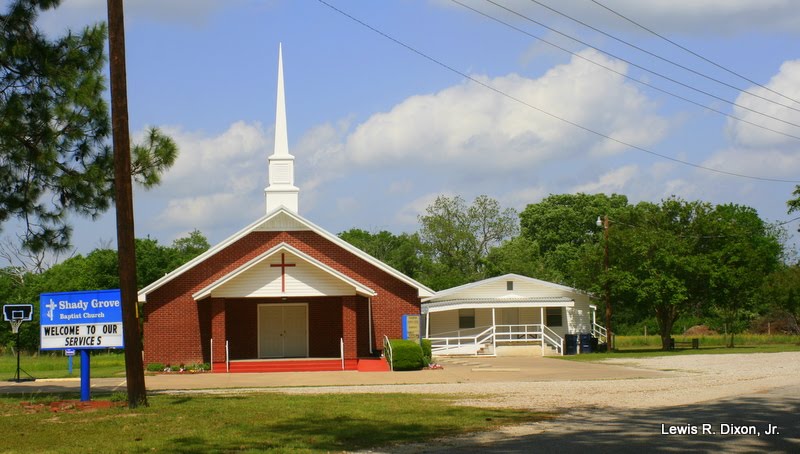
pixel 81 320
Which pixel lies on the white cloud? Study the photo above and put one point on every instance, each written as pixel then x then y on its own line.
pixel 698 17
pixel 401 187
pixel 763 163
pixel 76 13
pixel 520 198
pixel 476 130
pixel 611 182
pixel 407 215
pixel 215 177
pixel 706 16
pixel 758 152
pixel 786 82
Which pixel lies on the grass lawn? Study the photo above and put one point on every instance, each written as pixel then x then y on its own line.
pixel 51 365
pixel 248 423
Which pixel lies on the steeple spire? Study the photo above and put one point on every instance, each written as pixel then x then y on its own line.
pixel 281 190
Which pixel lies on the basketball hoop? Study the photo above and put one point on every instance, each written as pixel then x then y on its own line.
pixel 15 314
pixel 15 325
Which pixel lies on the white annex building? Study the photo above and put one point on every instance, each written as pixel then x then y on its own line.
pixel 507 315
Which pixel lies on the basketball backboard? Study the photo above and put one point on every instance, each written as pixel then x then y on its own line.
pixel 18 312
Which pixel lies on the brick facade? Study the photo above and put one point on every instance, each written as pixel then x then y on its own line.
pixel 178 329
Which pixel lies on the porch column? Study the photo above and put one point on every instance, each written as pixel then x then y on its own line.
pixel 494 333
pixel 541 323
pixel 218 333
pixel 350 327
pixel 427 325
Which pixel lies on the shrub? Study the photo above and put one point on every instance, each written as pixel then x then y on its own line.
pixel 406 355
pixel 155 367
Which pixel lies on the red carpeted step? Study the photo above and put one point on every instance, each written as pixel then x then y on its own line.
pixel 286 366
pixel 373 365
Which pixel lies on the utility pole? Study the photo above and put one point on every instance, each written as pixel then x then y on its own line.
pixel 134 369
pixel 609 334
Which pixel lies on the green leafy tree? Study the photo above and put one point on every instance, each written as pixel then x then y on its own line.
pixel 741 251
pixel 562 224
pixel 794 204
pixel 654 268
pixel 781 290
pixel 458 237
pixel 189 247
pixel 518 255
pixel 402 252
pixel 98 270
pixel 54 127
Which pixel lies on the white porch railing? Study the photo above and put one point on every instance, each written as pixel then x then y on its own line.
pixel 600 333
pixel 341 350
pixel 387 352
pixel 463 343
pixel 475 342
pixel 553 339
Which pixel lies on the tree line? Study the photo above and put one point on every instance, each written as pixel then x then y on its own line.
pixel 676 260
pixel 97 270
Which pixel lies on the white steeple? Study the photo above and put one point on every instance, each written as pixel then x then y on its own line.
pixel 281 190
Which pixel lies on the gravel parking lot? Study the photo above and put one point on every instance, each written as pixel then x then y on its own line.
pixel 684 380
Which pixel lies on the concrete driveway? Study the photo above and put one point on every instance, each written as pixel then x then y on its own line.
pixel 460 370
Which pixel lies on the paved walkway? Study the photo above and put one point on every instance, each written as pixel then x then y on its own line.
pixel 463 370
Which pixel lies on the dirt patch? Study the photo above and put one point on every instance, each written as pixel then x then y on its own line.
pixel 699 330
pixel 69 406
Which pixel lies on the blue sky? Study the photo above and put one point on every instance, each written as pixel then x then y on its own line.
pixel 379 131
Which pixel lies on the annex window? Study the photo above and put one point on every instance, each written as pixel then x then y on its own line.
pixel 509 285
pixel 466 318
pixel 554 317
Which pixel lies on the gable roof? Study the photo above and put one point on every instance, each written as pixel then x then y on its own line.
pixel 283 247
pixel 473 288
pixel 282 219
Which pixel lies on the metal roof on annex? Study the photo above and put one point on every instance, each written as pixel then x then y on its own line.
pixel 497 303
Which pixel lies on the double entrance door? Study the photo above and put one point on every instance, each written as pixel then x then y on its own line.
pixel 283 330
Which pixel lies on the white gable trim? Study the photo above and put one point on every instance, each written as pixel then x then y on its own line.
pixel 442 295
pixel 283 247
pixel 299 224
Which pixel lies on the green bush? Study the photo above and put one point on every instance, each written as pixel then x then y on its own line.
pixel 406 355
pixel 155 367
pixel 427 355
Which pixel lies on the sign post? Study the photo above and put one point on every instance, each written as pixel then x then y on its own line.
pixel 83 321
pixel 69 353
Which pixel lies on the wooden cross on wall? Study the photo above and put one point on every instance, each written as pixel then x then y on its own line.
pixel 282 266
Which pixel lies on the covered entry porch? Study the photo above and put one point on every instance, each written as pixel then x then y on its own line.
pixel 286 306
pixel 484 327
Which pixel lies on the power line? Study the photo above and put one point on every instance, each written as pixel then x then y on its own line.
pixel 520 101
pixel 631 78
pixel 655 73
pixel 693 53
pixel 685 68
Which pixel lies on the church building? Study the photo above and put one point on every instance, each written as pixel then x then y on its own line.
pixel 280 288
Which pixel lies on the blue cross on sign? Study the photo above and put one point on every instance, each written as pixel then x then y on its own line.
pixel 82 320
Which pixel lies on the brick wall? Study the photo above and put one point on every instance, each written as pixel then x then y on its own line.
pixel 177 328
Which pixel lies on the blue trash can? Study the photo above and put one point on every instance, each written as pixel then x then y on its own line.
pixel 585 341
pixel 571 341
